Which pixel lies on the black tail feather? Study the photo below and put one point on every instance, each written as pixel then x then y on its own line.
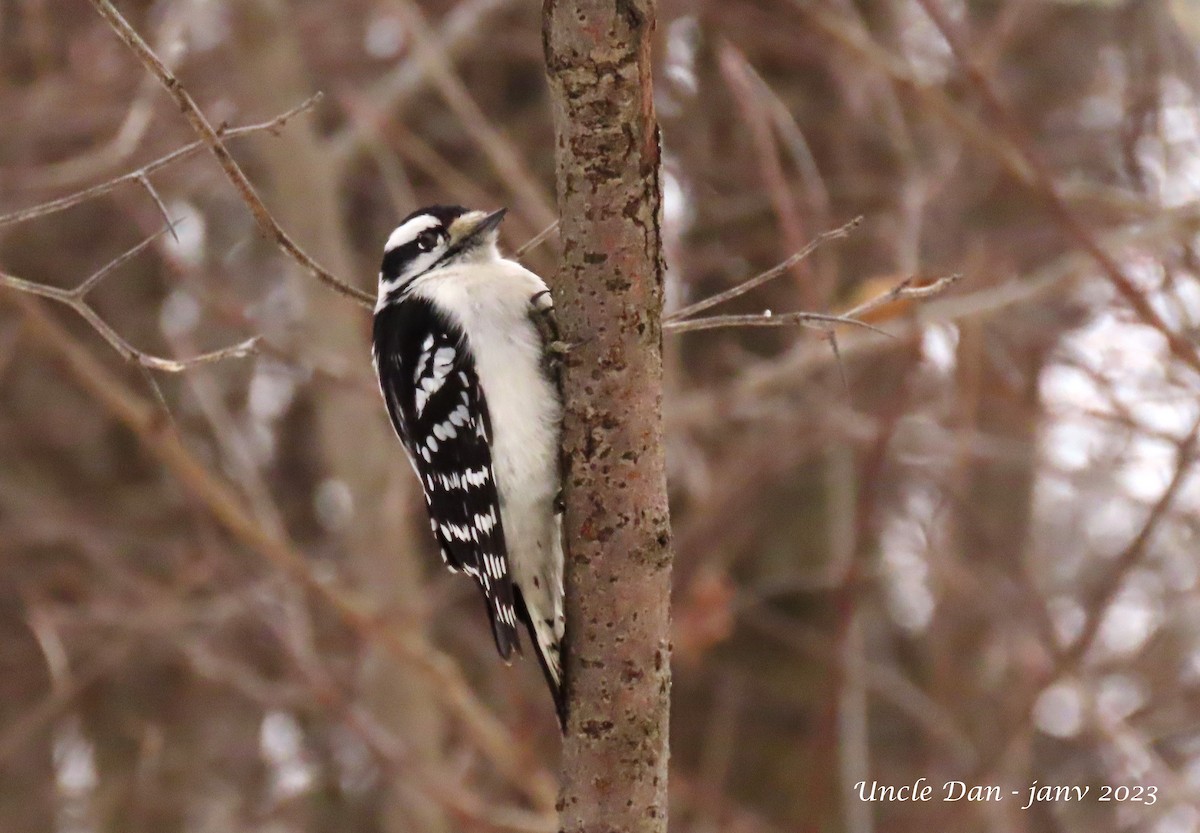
pixel 504 634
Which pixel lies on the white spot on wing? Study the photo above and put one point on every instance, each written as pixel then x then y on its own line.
pixel 430 374
pixel 443 359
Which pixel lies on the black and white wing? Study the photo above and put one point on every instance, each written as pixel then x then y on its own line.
pixel 433 395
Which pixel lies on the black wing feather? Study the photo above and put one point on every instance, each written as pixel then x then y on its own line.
pixel 439 411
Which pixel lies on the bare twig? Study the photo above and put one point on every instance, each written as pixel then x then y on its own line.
pixel 903 291
pixel 767 377
pixel 76 299
pixel 144 181
pixel 89 283
pixel 764 277
pixel 831 339
pixel 680 323
pixel 535 241
pixel 769 319
pixel 143 173
pixel 1008 144
pixel 262 216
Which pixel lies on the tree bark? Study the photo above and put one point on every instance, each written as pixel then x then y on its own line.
pixel 609 296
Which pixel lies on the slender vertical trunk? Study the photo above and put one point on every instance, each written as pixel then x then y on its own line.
pixel 609 295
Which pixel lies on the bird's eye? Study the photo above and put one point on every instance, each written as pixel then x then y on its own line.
pixel 427 240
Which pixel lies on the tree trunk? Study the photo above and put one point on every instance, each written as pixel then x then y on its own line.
pixel 609 296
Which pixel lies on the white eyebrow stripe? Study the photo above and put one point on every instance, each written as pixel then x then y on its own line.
pixel 409 231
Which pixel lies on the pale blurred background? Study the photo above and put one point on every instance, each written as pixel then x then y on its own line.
pixel 969 552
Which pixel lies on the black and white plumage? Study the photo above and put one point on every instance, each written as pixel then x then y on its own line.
pixel 464 351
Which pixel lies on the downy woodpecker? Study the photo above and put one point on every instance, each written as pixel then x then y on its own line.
pixel 465 347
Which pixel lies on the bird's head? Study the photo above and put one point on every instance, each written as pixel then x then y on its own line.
pixel 434 238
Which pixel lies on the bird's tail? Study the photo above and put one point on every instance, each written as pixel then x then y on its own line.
pixel 548 642
pixel 539 604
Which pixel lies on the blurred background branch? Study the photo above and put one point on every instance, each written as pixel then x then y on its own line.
pixel 976 558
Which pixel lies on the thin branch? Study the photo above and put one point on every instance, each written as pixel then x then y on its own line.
pixel 144 181
pixel 903 291
pixel 151 362
pixel 79 292
pixel 535 241
pixel 76 300
pixel 142 173
pixel 262 216
pixel 769 319
pixel 765 378
pixel 831 339
pixel 764 277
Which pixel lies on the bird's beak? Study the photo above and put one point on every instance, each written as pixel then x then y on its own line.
pixel 476 226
